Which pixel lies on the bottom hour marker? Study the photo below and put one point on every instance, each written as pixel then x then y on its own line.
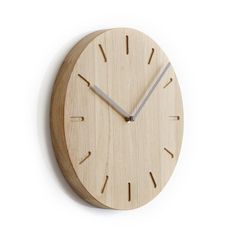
pixel 171 154
pixel 104 185
pixel 129 192
pixel 153 180
pixel 89 154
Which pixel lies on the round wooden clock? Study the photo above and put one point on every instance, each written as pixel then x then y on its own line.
pixel 117 118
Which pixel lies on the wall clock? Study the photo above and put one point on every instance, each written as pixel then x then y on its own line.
pixel 117 118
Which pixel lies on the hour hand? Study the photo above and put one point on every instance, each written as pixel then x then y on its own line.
pixel 110 102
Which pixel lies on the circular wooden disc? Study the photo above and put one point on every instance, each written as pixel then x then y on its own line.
pixel 108 161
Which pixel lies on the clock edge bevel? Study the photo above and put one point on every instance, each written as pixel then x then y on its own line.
pixel 57 130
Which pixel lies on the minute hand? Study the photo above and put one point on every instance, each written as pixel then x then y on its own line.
pixel 149 91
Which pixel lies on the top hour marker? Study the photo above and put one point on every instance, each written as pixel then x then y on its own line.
pixel 127 44
pixel 103 53
pixel 150 58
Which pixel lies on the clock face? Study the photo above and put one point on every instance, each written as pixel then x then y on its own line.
pixel 117 118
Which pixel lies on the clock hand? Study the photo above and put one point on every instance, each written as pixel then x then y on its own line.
pixel 149 92
pixel 109 101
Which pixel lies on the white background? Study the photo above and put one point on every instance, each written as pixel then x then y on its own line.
pixel 200 39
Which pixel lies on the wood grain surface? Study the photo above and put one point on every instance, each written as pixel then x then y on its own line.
pixel 109 162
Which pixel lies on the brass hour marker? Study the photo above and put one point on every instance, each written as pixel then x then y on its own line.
pixel 85 80
pixel 89 154
pixel 104 185
pixel 153 180
pixel 127 44
pixel 171 154
pixel 150 58
pixel 129 192
pixel 168 82
pixel 77 118
pixel 103 53
pixel 174 117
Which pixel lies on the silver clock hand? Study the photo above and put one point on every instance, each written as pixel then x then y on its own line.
pixel 109 101
pixel 149 92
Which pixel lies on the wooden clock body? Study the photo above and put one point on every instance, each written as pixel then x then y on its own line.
pixel 109 162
